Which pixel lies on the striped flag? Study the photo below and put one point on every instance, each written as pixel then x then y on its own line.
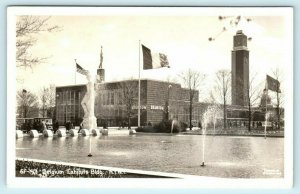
pixel 153 61
pixel 81 70
pixel 273 84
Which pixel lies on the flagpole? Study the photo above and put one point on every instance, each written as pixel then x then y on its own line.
pixel 139 95
pixel 266 116
pixel 75 71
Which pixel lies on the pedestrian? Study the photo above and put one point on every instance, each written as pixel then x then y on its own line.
pixel 44 127
pixel 105 125
pixel 35 125
pixel 200 125
pixel 55 127
pixel 47 124
pixel 67 125
pixel 80 127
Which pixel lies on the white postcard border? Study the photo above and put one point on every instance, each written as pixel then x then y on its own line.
pixel 199 182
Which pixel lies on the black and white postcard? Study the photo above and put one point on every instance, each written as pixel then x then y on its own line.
pixel 139 97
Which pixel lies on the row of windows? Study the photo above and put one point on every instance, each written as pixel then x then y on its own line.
pixel 111 98
pixel 68 106
pixel 107 98
pixel 67 97
pixel 67 112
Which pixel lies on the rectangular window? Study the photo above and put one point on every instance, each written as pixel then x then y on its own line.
pixel 59 97
pixel 119 101
pixel 66 97
pixel 107 98
pixel 104 98
pixel 73 97
pixel 112 96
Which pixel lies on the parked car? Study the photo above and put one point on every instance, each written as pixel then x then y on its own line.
pixel 26 124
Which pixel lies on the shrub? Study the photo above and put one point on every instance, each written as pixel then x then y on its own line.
pixel 146 129
pixel 165 126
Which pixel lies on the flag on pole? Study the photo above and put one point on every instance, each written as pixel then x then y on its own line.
pixel 153 61
pixel 273 84
pixel 80 69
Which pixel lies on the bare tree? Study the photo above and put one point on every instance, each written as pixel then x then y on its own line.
pixel 192 80
pixel 171 79
pixel 253 96
pixel 222 89
pixel 47 99
pixel 129 90
pixel 27 103
pixel 279 96
pixel 214 103
pixel 27 28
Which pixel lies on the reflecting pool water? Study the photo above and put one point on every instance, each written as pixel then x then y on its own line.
pixel 225 156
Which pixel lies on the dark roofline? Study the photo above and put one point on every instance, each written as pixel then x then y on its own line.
pixel 66 86
pixel 119 81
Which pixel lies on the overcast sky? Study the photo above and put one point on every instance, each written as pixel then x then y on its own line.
pixel 183 38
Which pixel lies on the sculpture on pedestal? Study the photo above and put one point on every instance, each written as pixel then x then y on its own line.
pixel 88 101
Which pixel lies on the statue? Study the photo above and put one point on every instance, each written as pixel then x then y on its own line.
pixel 88 103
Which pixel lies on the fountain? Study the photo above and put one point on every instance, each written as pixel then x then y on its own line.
pixel 209 115
pixel 172 126
pixel 214 121
pixel 205 120
pixel 214 113
pixel 266 123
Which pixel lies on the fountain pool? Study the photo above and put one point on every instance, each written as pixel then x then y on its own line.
pixel 225 156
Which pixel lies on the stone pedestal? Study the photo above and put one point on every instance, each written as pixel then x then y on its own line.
pixel 73 132
pixel 47 133
pixel 85 132
pixel 19 134
pixel 61 132
pixel 95 132
pixel 33 133
pixel 132 132
pixel 104 132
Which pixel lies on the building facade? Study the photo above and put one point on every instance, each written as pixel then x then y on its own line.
pixel 159 100
pixel 116 103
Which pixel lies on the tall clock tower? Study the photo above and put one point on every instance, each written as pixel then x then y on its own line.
pixel 239 70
